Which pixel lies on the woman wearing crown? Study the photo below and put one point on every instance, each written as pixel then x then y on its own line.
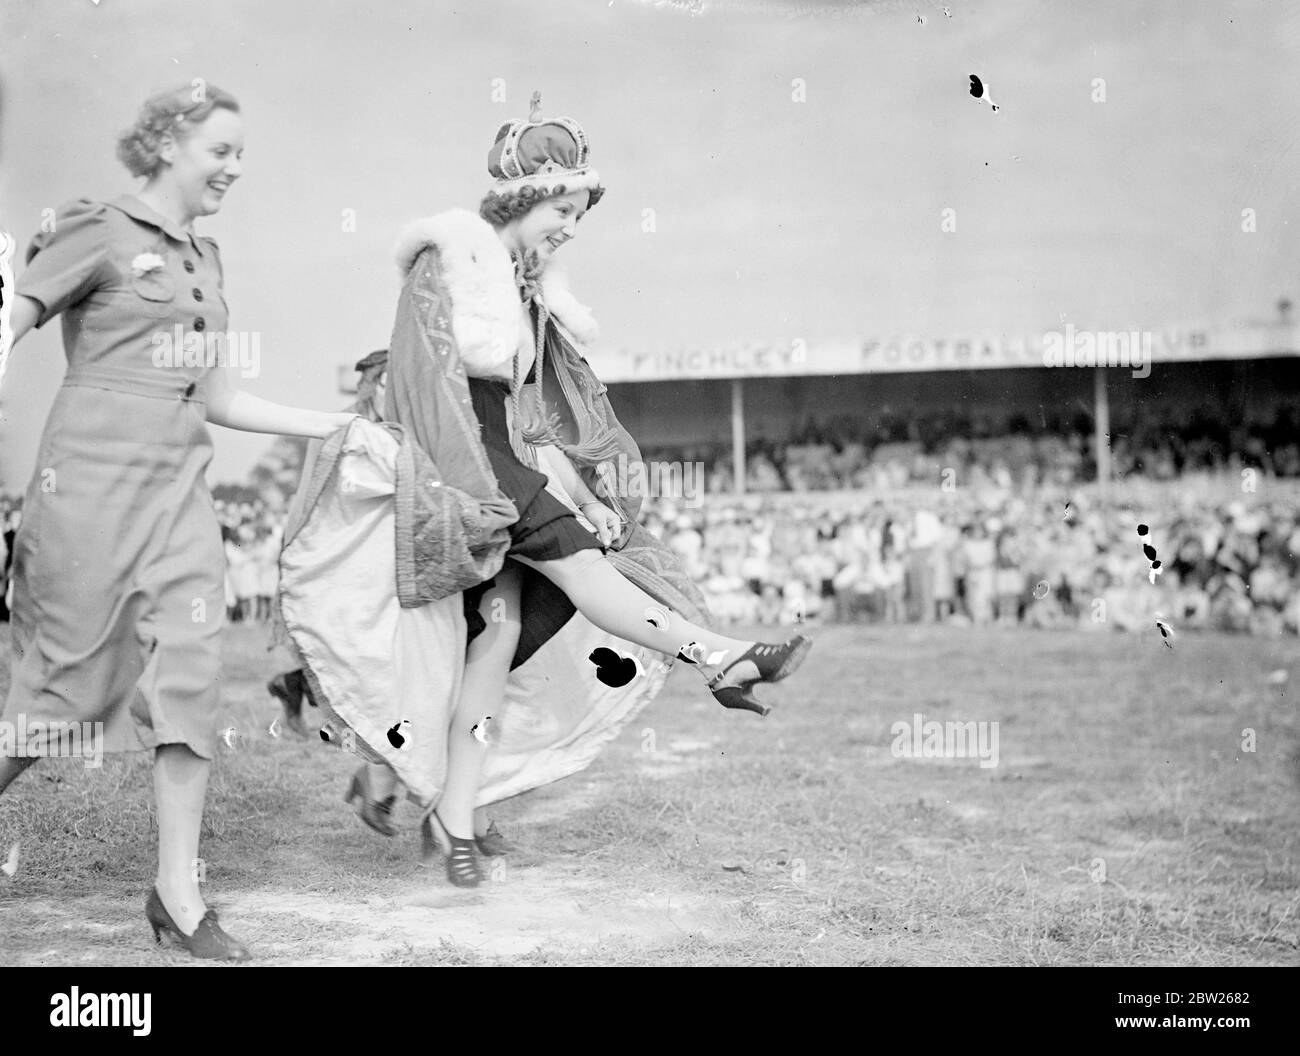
pixel 533 616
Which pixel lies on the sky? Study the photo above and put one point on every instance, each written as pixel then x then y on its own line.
pixel 798 159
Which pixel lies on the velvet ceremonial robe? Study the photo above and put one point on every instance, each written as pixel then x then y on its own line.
pixel 397 518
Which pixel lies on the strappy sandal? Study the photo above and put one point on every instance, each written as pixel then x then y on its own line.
pixel 462 865
pixel 774 662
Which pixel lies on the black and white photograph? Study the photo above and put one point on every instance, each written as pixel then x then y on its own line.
pixel 671 483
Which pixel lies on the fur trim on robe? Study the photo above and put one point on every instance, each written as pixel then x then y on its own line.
pixel 480 279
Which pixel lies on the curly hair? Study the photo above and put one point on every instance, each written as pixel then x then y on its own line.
pixel 171 112
pixel 499 209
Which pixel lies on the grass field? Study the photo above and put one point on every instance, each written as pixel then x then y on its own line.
pixel 1124 824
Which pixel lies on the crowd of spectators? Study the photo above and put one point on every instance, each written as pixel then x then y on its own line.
pixel 972 557
pixel 897 449
pixel 913 523
pixel 251 533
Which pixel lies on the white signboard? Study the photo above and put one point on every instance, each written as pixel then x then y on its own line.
pixel 1068 347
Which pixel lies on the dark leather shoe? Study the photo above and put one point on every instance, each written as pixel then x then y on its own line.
pixel 773 662
pixel 283 689
pixel 492 844
pixel 462 865
pixel 208 942
pixel 377 813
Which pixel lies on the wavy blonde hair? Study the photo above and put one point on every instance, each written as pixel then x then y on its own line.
pixel 171 113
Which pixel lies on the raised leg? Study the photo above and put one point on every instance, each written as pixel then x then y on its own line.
pixel 617 605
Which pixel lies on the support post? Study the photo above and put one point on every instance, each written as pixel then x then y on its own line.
pixel 1101 430
pixel 738 433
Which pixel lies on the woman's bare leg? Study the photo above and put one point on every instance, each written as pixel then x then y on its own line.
pixel 615 604
pixel 180 781
pixel 483 688
pixel 180 787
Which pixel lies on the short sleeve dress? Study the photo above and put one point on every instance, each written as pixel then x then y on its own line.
pixel 118 565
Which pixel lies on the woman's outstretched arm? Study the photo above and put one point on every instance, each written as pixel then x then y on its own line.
pixel 24 314
pixel 22 317
pixel 235 409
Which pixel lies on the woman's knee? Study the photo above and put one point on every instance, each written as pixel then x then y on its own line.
pixel 568 569
pixel 501 613
pixel 499 637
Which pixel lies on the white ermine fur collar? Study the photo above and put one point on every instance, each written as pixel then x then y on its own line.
pixel 486 314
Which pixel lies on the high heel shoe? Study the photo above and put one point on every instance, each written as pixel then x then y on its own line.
pixel 773 662
pixel 289 694
pixel 377 813
pixel 462 866
pixel 208 942
pixel 492 844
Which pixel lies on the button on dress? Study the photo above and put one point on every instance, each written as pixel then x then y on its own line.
pixel 118 566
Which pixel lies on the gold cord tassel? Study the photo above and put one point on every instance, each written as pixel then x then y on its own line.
pixel 522 449
pixel 523 440
pixel 543 428
pixel 597 441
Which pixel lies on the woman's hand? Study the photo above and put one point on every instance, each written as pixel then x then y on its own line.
pixel 608 524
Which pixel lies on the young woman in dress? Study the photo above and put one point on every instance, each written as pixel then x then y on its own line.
pixel 480 292
pixel 119 567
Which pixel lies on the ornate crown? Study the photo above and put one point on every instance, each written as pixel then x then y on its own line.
pixel 537 152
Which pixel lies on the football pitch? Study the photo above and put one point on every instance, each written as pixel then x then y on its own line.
pixel 918 796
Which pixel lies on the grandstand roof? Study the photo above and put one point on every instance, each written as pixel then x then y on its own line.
pixel 1067 347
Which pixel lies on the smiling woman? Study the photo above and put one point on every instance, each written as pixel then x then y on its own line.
pixel 172 118
pixel 118 565
pixel 570 615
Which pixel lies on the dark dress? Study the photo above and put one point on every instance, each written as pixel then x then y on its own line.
pixel 546 529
